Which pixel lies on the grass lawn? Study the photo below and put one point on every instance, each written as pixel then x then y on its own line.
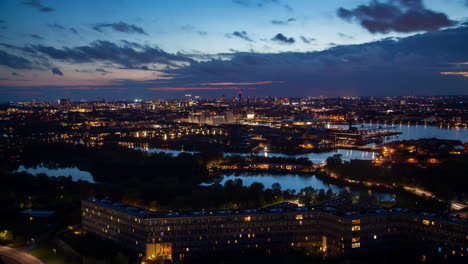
pixel 45 252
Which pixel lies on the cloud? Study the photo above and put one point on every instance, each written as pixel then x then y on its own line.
pixel 464 74
pixel 120 27
pixel 410 65
pixel 238 83
pixel 240 34
pixel 101 70
pixel 36 37
pixel 307 40
pixel 37 4
pixel 14 61
pixel 393 66
pixel 280 38
pixel 262 3
pixel 129 55
pixel 56 71
pixel 346 36
pixel 283 22
pixel 396 15
pixel 60 27
pixel 191 28
pixel 2 21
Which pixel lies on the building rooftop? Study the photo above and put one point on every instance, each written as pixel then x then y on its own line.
pixel 341 207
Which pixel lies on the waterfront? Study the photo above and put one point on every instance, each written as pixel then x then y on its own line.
pixel 412 132
pixel 409 132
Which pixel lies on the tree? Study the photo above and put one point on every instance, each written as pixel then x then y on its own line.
pixel 334 161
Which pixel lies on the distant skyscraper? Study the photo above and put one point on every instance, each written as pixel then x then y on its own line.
pixel 240 96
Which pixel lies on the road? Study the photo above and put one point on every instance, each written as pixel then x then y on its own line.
pixel 18 256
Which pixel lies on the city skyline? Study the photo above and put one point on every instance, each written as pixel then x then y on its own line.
pixel 119 50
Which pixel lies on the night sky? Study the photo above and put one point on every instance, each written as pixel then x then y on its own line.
pixel 125 49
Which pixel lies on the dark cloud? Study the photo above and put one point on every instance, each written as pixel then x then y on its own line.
pixel 101 70
pixel 240 34
pixel 37 4
pixel 307 40
pixel 129 55
pixel 56 71
pixel 385 67
pixel 280 38
pixel 35 36
pixel 120 27
pixel 84 71
pixel 396 15
pixel 73 30
pixel 2 21
pixel 14 61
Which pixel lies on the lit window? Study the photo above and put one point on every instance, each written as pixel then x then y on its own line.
pixel 356 221
pixel 247 218
pixel 356 245
pixel 355 228
pixel 299 217
pixel 355 239
pixel 425 222
pixel 375 236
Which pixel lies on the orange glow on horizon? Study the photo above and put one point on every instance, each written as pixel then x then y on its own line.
pixel 195 88
pixel 465 74
pixel 238 83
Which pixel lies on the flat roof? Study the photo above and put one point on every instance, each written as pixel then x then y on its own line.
pixel 341 207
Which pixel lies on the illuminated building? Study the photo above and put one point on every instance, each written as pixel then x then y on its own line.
pixel 337 227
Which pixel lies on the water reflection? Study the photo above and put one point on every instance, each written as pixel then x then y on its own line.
pixel 74 172
pixel 297 182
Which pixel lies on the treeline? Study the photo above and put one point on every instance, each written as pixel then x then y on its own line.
pixel 156 181
pixel 446 180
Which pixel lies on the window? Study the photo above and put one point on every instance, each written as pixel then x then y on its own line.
pixel 355 239
pixel 247 218
pixel 356 221
pixel 355 228
pixel 299 217
pixel 356 245
pixel 425 222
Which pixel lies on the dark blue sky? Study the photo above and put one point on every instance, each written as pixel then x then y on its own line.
pixel 165 49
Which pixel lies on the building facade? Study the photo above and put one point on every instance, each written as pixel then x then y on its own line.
pixel 337 227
